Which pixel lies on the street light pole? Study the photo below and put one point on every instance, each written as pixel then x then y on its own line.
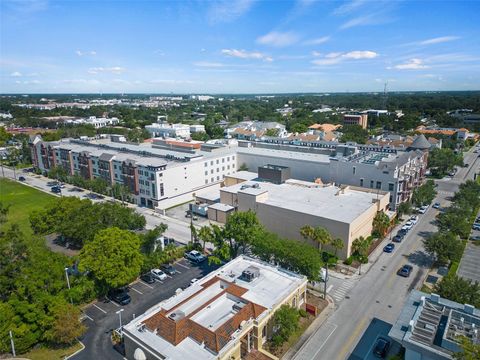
pixel 68 284
pixel 119 312
pixel 12 344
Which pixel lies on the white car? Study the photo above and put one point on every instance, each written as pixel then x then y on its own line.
pixel 408 225
pixel 422 210
pixel 158 274
pixel 414 219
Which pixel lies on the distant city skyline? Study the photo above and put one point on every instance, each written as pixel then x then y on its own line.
pixel 238 46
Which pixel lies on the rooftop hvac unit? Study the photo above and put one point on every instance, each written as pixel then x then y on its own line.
pixel 176 315
pixel 238 306
pixel 250 273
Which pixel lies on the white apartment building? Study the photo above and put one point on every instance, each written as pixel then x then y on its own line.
pixel 96 122
pixel 169 130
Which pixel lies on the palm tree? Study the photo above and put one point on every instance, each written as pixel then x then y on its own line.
pixel 381 223
pixel 337 244
pixel 318 235
pixel 361 246
pixel 205 234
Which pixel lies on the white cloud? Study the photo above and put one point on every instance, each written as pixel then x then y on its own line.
pixel 228 10
pixel 316 53
pixel 337 57
pixel 208 64
pixel 278 39
pixel 113 70
pixel 16 74
pixel 439 40
pixel 86 53
pixel 412 64
pixel 317 41
pixel 243 54
pixel 171 81
pixel 349 7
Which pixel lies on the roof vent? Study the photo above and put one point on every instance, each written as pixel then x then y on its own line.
pixel 141 327
pixel 238 306
pixel 176 315
pixel 435 298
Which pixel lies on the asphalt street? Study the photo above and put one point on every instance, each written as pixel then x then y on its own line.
pixel 380 293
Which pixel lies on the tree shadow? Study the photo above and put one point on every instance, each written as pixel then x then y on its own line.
pixel 420 258
pixel 425 234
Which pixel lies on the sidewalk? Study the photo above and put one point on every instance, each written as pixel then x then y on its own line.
pixel 313 328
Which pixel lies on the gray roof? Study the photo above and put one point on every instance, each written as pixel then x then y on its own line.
pixel 106 157
pixel 420 143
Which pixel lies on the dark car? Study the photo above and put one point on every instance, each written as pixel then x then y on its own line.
pixel 389 248
pixel 381 347
pixel 169 269
pixel 120 296
pixel 56 189
pixel 52 183
pixel 397 238
pixel 22 178
pixel 405 270
pixel 75 189
pixel 402 232
pixel 148 278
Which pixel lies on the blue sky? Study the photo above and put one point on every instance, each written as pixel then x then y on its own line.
pixel 238 46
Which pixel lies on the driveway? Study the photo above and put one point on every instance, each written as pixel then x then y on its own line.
pixel 101 317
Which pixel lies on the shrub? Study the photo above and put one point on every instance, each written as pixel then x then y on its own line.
pixel 348 261
pixel 303 313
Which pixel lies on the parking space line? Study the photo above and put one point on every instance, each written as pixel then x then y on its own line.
pixel 178 271
pixel 186 267
pixel 113 302
pixel 168 276
pixel 88 317
pixel 144 283
pixel 136 290
pixel 99 308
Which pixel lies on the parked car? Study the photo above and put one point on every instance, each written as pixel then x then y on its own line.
pixel 466 165
pixel 397 238
pixel 408 225
pixel 402 232
pixel 120 296
pixel 414 219
pixel 476 226
pixel 158 274
pixel 169 269
pixel 389 248
pixel 436 205
pixel 475 238
pixel 52 183
pixel 148 278
pixel 76 189
pixel 22 178
pixel 422 210
pixel 56 189
pixel 195 256
pixel 405 270
pixel 381 347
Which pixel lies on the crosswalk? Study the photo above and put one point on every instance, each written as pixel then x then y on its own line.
pixel 339 292
pixel 447 193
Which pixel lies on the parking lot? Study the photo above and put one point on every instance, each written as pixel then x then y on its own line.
pixel 179 212
pixel 103 316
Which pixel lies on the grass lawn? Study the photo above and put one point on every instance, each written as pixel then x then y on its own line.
pixel 44 353
pixel 23 200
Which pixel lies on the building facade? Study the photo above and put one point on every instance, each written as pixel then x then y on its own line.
pixel 356 119
pixel 226 315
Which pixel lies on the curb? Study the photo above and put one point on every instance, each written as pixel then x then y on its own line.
pixel 76 352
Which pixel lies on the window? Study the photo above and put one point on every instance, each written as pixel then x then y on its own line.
pixel 161 189
pixel 361 182
pixel 371 184
pixel 379 184
pixel 354 170
pixel 206 181
pixel 115 166
pixel 223 168
pixel 218 177
pixel 264 331
pixel 206 164
pixel 212 179
pixel 223 160
pixel 211 171
pixel 233 158
pixel 390 186
pixel 228 167
pixel 228 158
pixel 206 172
pixel 218 161
pixel 211 162
pixel 218 169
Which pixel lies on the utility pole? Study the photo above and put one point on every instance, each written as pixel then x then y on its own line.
pixel 12 344
pixel 119 312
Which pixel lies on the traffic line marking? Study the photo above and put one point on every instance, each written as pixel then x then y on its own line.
pixel 321 346
pixel 99 308
pixel 329 288
pixel 136 290
pixel 186 267
pixel 144 283
pixel 113 302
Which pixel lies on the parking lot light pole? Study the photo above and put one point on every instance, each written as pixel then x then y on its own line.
pixel 68 284
pixel 119 312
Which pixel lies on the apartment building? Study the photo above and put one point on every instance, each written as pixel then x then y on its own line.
pixel 156 177
pixel 166 130
pixel 429 326
pixel 369 166
pixel 97 123
pixel 284 207
pixel 356 119
pixel 226 315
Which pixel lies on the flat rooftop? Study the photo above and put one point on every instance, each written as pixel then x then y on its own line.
pixel 285 154
pixel 243 175
pixel 343 204
pixel 211 303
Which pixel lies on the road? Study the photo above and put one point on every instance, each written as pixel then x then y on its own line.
pixel 380 293
pixel 180 230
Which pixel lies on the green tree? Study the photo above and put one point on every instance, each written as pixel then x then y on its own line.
pixel 200 136
pixel 470 351
pixel 285 320
pixel 318 235
pixel 360 247
pixel 381 223
pixel 299 128
pixel 442 161
pixel 424 194
pixel 149 239
pixel 4 136
pixel 66 326
pixel 242 229
pixel 455 288
pixel 354 133
pixel 113 257
pixel 205 234
pixel 405 208
pixel 337 244
pixel 444 246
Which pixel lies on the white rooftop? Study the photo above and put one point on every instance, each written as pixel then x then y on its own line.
pixel 285 154
pixel 244 175
pixel 331 202
pixel 271 287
